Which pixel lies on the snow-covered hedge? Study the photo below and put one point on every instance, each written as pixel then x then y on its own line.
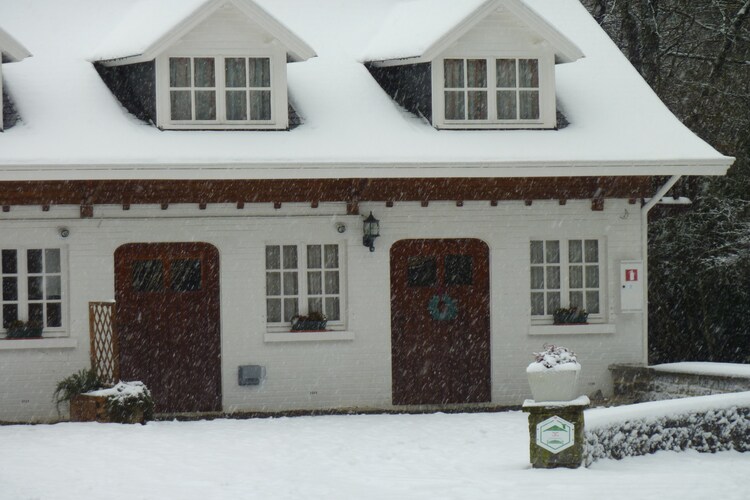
pixel 670 425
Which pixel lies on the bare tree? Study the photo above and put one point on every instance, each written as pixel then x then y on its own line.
pixel 696 56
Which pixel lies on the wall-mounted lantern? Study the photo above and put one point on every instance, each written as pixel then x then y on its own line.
pixel 371 230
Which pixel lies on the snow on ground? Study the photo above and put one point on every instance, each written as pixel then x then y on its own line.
pixel 706 368
pixel 437 456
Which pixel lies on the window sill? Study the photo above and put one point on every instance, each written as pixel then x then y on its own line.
pixel 43 343
pixel 494 125
pixel 589 329
pixel 327 336
pixel 263 126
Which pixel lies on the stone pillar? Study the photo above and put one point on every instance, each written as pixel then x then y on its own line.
pixel 556 436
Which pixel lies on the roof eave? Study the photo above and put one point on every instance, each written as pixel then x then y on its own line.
pixel 565 50
pixel 11 49
pixel 400 61
pixel 317 170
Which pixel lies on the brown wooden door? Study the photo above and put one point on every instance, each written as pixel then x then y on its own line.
pixel 440 321
pixel 167 302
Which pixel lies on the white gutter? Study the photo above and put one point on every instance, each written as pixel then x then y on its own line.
pixel 644 254
pixel 299 169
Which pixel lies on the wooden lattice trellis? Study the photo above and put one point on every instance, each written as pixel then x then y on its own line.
pixel 105 349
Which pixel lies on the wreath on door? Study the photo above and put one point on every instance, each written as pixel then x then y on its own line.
pixel 442 307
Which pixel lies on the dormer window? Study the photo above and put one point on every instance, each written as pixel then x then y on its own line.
pixel 248 94
pixel 517 85
pixel 514 100
pixel 465 89
pixel 220 90
pixel 219 65
pixel 493 68
pixel 192 88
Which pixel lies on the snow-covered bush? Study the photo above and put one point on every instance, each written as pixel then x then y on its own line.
pixel 553 356
pixel 128 402
pixel 711 431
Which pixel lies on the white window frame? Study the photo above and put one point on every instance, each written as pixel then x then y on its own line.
pixel 547 101
pixel 1 95
pixel 565 288
pixel 193 89
pixel 279 101
pixel 302 285
pixel 23 291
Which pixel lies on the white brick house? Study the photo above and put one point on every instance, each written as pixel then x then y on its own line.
pixel 208 164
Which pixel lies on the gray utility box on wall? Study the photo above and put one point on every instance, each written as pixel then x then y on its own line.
pixel 250 374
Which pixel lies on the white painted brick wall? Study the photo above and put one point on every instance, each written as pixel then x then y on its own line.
pixel 333 373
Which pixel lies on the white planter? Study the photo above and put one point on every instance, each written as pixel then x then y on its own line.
pixel 559 383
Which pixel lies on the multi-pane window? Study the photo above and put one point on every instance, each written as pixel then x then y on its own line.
pixel 301 279
pixel 219 89
pixel 545 277
pixel 323 290
pixel 465 89
pixel 32 286
pixel 248 94
pixel 565 273
pixel 282 283
pixel 192 88
pixel 467 84
pixel 517 89
pixel 583 260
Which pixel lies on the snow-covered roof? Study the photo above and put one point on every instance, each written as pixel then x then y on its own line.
pixel 73 127
pixel 11 49
pixel 406 35
pixel 150 25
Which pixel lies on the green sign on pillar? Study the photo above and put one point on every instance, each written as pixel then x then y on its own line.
pixel 556 437
pixel 555 434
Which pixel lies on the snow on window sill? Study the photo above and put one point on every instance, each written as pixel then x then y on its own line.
pixel 326 336
pixel 43 343
pixel 587 329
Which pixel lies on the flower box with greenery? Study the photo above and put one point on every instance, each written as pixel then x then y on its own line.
pixel 24 330
pixel 553 376
pixel 93 401
pixel 570 316
pixel 313 322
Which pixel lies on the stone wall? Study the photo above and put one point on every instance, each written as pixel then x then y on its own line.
pixel 634 383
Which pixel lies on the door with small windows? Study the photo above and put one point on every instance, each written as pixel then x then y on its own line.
pixel 167 297
pixel 440 321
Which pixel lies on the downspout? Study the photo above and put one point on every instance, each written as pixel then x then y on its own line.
pixel 644 253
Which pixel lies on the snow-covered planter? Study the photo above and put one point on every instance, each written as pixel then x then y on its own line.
pixel 92 401
pixel 127 402
pixel 553 376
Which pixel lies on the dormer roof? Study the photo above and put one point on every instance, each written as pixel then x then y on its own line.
pixel 11 49
pixel 151 26
pixel 419 30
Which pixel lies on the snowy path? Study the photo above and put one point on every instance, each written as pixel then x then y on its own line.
pixel 462 456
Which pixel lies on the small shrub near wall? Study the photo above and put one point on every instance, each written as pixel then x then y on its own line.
pixel 90 400
pixel 711 431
